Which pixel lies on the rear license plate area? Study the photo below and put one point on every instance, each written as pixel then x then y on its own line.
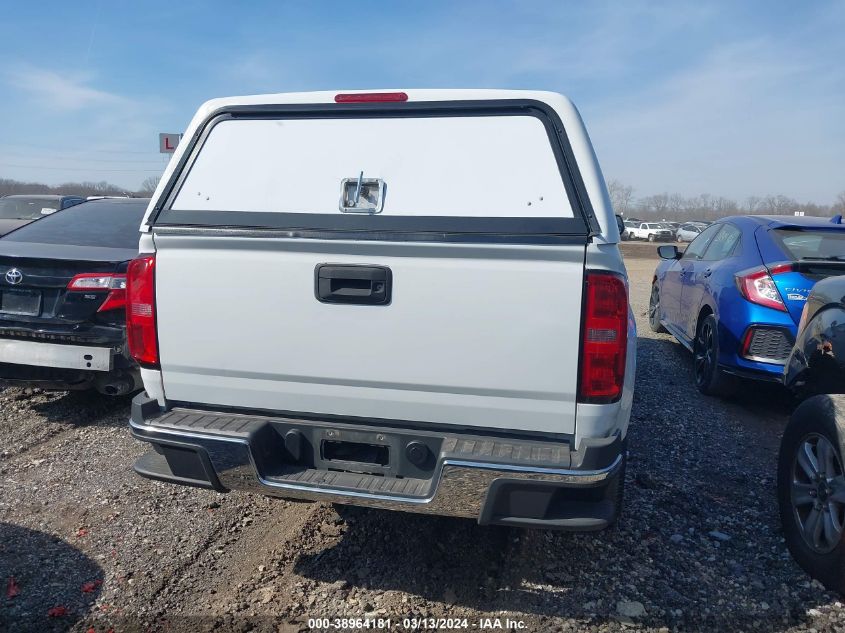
pixel 355 453
pixel 20 302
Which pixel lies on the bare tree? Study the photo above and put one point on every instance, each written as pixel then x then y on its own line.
pixel 752 203
pixel 657 204
pixel 621 196
pixel 839 205
pixel 785 205
pixel 677 205
pixel 11 187
pixel 148 186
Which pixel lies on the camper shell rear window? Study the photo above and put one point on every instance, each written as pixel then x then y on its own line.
pixel 500 170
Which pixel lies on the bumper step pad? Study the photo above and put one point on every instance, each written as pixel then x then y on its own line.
pixel 492 479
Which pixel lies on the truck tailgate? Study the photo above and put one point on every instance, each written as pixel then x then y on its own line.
pixel 482 335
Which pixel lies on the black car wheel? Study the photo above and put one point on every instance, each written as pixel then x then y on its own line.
pixel 654 310
pixel 651 237
pixel 811 488
pixel 709 379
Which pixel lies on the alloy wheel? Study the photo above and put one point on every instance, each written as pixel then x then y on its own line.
pixel 703 358
pixel 818 493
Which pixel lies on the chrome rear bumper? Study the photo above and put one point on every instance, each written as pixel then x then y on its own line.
pixel 504 481
pixel 39 354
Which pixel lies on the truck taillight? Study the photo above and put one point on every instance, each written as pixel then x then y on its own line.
pixel 141 311
pixel 758 287
pixel 100 282
pixel 605 338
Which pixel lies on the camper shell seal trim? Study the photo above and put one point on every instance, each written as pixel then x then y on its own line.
pixel 419 228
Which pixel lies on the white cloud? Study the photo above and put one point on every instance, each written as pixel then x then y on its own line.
pixel 753 117
pixel 51 90
pixel 68 129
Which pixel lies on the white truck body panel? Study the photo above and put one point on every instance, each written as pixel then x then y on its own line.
pixel 475 335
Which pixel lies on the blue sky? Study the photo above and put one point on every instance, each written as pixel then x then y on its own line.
pixel 733 99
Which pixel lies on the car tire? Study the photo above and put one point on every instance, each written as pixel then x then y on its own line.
pixel 811 488
pixel 709 379
pixel 654 310
pixel 651 237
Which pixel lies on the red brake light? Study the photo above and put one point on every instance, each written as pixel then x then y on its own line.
pixel 141 311
pixel 746 342
pixel 100 282
pixel 757 286
pixel 782 267
pixel 605 338
pixel 370 97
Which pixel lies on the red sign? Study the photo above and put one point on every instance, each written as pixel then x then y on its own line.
pixel 167 143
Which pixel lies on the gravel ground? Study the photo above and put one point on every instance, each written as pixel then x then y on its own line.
pixel 87 546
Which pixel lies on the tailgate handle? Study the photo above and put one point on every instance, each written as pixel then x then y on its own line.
pixel 355 284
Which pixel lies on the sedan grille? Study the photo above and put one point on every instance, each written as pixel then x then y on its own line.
pixel 769 345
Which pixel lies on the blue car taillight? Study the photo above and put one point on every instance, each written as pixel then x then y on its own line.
pixel 757 285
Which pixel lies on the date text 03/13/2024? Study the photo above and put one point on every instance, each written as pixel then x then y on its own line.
pixel 415 624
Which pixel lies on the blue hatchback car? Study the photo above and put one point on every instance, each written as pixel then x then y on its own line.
pixel 735 296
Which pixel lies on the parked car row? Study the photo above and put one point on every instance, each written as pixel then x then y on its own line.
pixel 763 298
pixel 359 349
pixel 662 231
pixel 354 349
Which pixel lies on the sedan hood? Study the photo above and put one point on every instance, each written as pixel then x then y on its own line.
pixel 7 226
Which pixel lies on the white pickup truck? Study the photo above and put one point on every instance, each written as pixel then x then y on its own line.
pixel 652 231
pixel 409 300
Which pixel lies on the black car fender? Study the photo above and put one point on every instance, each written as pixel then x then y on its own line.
pixel 817 362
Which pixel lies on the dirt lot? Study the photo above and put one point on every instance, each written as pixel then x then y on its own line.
pixel 698 548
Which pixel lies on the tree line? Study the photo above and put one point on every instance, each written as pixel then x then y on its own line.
pixel 9 187
pixel 655 207
pixel 707 207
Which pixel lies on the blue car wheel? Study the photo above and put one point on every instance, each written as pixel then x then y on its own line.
pixel 654 310
pixel 709 379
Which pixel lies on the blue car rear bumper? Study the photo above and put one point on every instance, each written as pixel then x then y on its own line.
pixel 735 323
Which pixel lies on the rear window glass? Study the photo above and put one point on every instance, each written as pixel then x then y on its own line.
pixel 474 166
pixel 26 208
pixel 108 224
pixel 811 244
